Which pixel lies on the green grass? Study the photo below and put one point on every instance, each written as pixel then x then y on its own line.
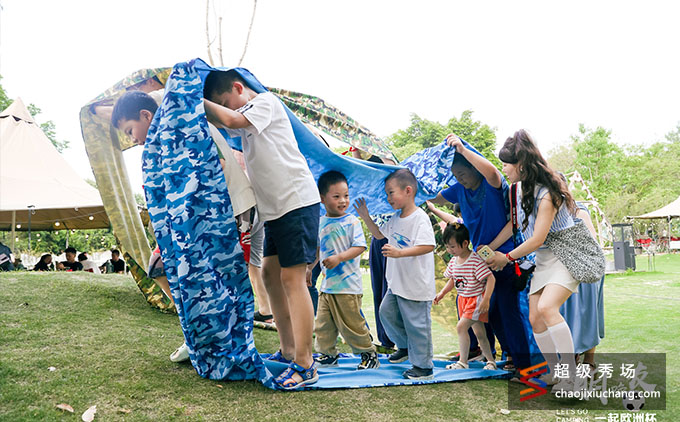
pixel 111 349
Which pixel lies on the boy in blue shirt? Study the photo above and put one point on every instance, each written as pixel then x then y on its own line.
pixel 405 309
pixel 341 243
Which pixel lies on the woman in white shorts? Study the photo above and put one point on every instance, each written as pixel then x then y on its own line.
pixel 544 205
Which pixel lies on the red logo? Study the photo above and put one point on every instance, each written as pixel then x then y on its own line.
pixel 530 378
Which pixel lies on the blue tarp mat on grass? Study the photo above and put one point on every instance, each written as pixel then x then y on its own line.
pixel 346 375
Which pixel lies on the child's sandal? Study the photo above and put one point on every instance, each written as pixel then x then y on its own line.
pixel 457 365
pixel 287 382
pixel 491 366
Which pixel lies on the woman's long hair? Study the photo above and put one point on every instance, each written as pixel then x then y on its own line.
pixel 521 149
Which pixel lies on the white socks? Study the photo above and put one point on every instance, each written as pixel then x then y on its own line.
pixel 561 336
pixel 547 346
pixel 557 340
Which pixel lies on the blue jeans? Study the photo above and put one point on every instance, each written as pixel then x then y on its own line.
pixel 408 322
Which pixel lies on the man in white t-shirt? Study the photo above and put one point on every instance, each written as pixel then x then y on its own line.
pixel 405 309
pixel 288 203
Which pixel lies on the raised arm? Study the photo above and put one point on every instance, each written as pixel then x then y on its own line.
pixel 484 166
pixel 362 210
pixel 444 216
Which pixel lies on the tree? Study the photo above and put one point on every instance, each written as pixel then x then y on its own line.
pixel 47 127
pixel 423 133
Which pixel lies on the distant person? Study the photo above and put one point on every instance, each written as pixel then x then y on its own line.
pixel 88 265
pixel 45 263
pixel 70 264
pixel 117 262
pixel 18 265
pixel 5 258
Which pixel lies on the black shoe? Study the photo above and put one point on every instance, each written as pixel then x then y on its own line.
pixel 257 316
pixel 416 373
pixel 327 360
pixel 369 360
pixel 473 355
pixel 399 356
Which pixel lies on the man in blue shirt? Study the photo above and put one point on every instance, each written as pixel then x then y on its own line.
pixel 482 193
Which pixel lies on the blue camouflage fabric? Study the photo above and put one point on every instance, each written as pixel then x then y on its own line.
pixel 194 224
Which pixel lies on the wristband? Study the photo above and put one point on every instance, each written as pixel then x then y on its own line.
pixel 510 259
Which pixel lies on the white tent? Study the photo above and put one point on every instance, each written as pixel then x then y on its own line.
pixel 36 182
pixel 667 212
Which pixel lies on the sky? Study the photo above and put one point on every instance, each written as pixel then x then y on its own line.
pixel 543 66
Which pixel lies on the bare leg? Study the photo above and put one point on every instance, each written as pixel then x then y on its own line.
pixel 480 332
pixel 271 275
pixel 464 339
pixel 255 274
pixel 162 282
pixel 302 319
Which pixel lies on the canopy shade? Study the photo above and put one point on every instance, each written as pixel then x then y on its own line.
pixel 671 210
pixel 34 175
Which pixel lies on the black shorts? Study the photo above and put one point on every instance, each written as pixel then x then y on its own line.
pixel 294 236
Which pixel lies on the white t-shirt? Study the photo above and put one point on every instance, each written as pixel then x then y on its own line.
pixel 410 277
pixel 278 171
pixel 89 265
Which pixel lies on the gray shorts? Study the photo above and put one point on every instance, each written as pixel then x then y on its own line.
pixel 256 243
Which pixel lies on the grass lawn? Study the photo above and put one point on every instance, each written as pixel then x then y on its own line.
pixel 111 349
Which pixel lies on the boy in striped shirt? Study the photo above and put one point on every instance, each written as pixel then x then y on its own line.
pixel 474 282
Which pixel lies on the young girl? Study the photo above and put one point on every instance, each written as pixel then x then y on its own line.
pixel 470 275
pixel 544 205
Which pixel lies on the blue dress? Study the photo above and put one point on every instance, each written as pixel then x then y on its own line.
pixel 584 313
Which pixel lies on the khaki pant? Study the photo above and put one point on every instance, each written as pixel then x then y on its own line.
pixel 341 313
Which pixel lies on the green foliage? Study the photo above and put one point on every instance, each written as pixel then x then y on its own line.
pixel 625 179
pixel 55 241
pixel 423 133
pixel 48 127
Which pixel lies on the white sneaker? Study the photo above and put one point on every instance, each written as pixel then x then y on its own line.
pixel 181 354
pixel 564 385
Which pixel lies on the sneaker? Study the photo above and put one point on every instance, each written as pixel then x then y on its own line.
pixel 564 385
pixel 416 373
pixel 490 366
pixel 473 355
pixel 458 365
pixel 327 360
pixel 278 357
pixel 369 360
pixel 181 354
pixel 399 356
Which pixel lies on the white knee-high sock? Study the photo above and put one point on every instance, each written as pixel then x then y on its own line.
pixel 545 343
pixel 561 336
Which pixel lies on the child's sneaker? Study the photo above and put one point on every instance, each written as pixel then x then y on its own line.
pixel 327 360
pixel 287 382
pixel 416 373
pixel 181 354
pixel 490 366
pixel 369 360
pixel 399 356
pixel 278 357
pixel 457 365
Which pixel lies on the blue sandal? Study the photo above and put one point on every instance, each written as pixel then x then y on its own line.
pixel 278 357
pixel 287 382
